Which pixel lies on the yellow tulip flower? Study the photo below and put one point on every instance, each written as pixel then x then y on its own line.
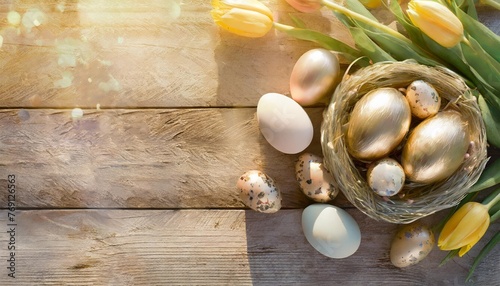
pixel 464 229
pixel 436 21
pixel 248 18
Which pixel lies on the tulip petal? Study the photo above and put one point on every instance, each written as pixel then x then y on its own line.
pixel 244 22
pixel 250 5
pixel 465 227
pixel 436 21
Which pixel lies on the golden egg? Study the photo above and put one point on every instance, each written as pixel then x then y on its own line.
pixel 378 123
pixel 411 244
pixel 436 148
pixel 314 76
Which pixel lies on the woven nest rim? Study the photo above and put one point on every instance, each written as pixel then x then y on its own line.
pixel 422 200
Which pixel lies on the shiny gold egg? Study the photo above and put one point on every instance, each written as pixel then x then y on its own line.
pixel 411 244
pixel 378 123
pixel 314 76
pixel 436 148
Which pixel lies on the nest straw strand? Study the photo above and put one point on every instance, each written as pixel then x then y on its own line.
pixel 419 200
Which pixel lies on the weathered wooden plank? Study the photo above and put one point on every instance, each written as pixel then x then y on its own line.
pixel 149 158
pixel 222 247
pixel 148 54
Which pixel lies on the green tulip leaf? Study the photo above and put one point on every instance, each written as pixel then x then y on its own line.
pixel 489 177
pixel 486 249
pixel 491 117
pixel 489 40
pixel 298 22
pixel 356 6
pixel 495 213
pixel 482 63
pixel 398 49
pixel 368 47
pixel 323 40
pixel 451 254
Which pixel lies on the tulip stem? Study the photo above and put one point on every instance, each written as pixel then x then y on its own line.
pixel 341 9
pixel 495 200
pixel 491 3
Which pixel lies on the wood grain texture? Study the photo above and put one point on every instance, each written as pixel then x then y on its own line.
pixel 148 158
pixel 218 247
pixel 148 54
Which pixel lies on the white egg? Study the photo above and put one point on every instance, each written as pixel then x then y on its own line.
pixel 331 230
pixel 424 100
pixel 314 180
pixel 259 192
pixel 284 123
pixel 386 177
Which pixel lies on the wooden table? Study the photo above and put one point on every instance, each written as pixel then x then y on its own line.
pixel 140 189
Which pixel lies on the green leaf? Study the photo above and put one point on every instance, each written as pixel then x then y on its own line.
pixel 486 249
pixel 323 40
pixel 491 117
pixel 298 22
pixel 495 213
pixel 450 255
pixel 489 177
pixel 368 47
pixel 356 6
pixel 399 49
pixel 489 40
pixel 482 63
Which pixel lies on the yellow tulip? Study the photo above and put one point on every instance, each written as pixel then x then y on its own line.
pixel 306 6
pixel 248 18
pixel 436 21
pixel 464 229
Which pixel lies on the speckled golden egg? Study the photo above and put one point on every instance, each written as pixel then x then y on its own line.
pixel 386 177
pixel 259 192
pixel 436 148
pixel 411 244
pixel 423 98
pixel 378 123
pixel 314 179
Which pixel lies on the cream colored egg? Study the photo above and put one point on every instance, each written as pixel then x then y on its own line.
pixel 284 123
pixel 423 98
pixel 259 192
pixel 377 124
pixel 411 244
pixel 436 148
pixel 314 179
pixel 386 177
pixel 331 230
pixel 314 76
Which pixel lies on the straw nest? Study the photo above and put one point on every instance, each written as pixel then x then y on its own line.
pixel 415 200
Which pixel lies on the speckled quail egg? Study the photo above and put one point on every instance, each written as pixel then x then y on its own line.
pixel 411 244
pixel 314 179
pixel 423 98
pixel 259 192
pixel 386 177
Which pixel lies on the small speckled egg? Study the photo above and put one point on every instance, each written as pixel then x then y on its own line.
pixel 330 230
pixel 424 100
pixel 412 243
pixel 284 123
pixel 314 180
pixel 386 177
pixel 259 192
